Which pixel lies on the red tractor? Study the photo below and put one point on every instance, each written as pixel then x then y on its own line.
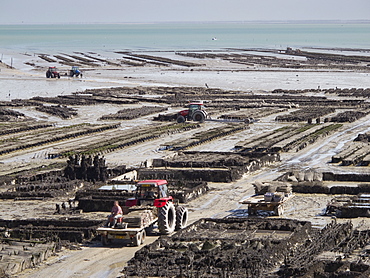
pixel 195 112
pixel 52 72
pixel 171 216
pixel 151 205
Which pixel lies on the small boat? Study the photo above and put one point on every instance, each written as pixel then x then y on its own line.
pixel 214 39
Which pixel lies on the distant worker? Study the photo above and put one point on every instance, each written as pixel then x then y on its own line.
pixel 116 213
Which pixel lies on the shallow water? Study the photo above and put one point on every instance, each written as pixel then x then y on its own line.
pixel 176 36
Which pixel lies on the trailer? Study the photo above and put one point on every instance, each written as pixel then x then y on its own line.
pixel 131 227
pixel 267 202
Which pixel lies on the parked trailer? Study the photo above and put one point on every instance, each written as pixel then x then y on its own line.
pixel 262 202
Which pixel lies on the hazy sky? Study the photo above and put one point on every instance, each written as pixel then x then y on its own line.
pixel 104 11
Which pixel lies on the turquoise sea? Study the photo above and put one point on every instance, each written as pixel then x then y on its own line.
pixel 179 36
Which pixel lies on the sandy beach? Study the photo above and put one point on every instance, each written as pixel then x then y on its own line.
pixel 111 70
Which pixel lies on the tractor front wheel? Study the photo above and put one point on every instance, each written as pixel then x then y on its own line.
pixel 180 119
pixel 167 219
pixel 181 217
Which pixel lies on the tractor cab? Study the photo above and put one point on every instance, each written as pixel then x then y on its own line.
pixel 194 107
pixel 150 192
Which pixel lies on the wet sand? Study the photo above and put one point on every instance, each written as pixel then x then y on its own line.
pixel 27 81
pixel 223 200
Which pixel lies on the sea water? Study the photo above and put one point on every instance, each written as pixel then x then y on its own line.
pixel 182 36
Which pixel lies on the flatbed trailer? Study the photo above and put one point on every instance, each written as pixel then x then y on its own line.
pixel 258 202
pixel 135 235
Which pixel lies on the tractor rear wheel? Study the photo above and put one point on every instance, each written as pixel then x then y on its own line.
pixel 167 219
pixel 47 74
pixel 181 217
pixel 180 119
pixel 199 116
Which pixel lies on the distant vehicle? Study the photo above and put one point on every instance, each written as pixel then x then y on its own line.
pixel 195 112
pixel 52 72
pixel 75 72
pixel 267 202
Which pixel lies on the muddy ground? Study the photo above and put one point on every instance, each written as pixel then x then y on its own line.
pixel 298 127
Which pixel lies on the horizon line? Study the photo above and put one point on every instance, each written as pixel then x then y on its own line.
pixel 301 21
